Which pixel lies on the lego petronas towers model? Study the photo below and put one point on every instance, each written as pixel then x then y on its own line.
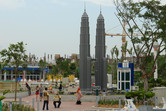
pixel 85 60
pixel 101 61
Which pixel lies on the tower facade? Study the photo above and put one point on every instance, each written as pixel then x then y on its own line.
pixel 85 59
pixel 101 61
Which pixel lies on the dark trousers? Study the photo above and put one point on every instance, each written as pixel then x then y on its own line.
pixel 29 92
pixel 45 103
pixel 59 103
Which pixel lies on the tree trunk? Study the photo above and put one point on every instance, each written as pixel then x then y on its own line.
pixel 145 83
pixel 15 84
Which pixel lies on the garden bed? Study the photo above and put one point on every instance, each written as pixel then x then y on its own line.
pixel 17 107
pixel 110 106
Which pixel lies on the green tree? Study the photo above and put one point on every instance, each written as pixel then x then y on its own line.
pixel 161 61
pixel 114 62
pixel 124 50
pixel 42 66
pixel 14 56
pixel 130 51
pixel 147 18
pixel 73 68
pixel 63 66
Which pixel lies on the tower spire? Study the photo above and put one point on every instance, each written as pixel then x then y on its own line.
pixel 84 6
pixel 100 8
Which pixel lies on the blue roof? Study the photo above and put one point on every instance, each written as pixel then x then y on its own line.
pixel 21 68
pixel 124 67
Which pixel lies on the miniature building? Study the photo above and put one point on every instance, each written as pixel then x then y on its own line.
pixel 85 59
pixel 101 60
pixel 31 73
pixel 125 76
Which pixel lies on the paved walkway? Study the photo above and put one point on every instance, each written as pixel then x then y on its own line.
pixel 65 106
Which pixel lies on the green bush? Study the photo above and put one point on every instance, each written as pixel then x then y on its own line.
pixel 149 95
pixel 138 96
pixel 61 92
pixel 101 102
pixel 17 107
pixel 110 102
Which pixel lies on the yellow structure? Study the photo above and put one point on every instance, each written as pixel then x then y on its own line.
pixel 57 77
pixel 71 78
pixel 8 85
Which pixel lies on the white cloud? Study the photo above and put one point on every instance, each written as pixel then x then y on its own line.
pixel 110 2
pixel 101 2
pixel 11 3
pixel 60 2
pixel 163 2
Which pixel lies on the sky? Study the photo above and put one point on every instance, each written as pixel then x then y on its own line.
pixel 53 26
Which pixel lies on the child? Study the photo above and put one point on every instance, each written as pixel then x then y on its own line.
pixel 37 92
pixel 41 92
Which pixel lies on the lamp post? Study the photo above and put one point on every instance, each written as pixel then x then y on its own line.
pixel 155 46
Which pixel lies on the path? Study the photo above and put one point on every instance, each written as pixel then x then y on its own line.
pixel 65 106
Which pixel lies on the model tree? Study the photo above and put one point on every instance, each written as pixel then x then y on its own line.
pixel 14 56
pixel 148 19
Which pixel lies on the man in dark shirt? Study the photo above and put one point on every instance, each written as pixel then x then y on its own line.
pixel 29 88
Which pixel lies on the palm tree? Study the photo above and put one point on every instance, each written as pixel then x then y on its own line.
pixel 116 53
pixel 124 49
pixel 42 66
pixel 130 51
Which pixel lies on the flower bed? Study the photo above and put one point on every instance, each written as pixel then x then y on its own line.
pixel 110 103
pixel 17 107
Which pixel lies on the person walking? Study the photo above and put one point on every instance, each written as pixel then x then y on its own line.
pixel 57 99
pixel 104 95
pixel 79 95
pixel 60 87
pixel 41 92
pixel 37 93
pixel 45 98
pixel 29 88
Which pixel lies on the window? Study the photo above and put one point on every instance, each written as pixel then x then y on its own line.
pixel 127 85
pixel 119 75
pixel 122 76
pixel 127 76
pixel 119 85
pixel 122 85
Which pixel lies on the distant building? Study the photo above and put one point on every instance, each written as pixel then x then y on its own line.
pixel 125 76
pixel 29 73
pixel 74 58
pixel 57 56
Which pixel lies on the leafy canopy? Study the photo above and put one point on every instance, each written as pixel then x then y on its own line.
pixel 15 55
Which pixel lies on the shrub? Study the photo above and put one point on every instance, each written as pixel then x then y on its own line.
pixel 138 96
pixel 110 102
pixel 61 92
pixel 17 107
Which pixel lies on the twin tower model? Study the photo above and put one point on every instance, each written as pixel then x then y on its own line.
pixel 85 58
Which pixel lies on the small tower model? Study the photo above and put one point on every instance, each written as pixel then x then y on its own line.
pixel 155 46
pixel 125 76
pixel 85 60
pixel 101 61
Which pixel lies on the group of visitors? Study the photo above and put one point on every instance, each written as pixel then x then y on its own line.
pixel 44 94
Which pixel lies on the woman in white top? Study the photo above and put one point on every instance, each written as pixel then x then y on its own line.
pixel 79 95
